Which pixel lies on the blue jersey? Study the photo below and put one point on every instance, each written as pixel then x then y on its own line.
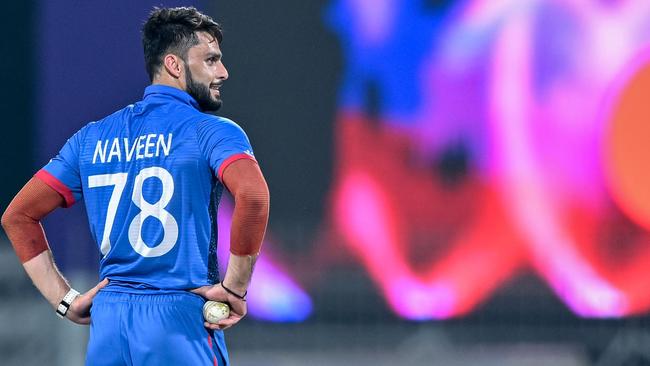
pixel 150 176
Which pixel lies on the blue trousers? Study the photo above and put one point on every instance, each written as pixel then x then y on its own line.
pixel 152 329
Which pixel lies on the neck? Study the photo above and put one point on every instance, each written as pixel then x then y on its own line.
pixel 167 81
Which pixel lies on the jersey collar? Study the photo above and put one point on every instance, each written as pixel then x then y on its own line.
pixel 165 90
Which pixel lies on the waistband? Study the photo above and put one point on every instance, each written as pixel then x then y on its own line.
pixel 179 297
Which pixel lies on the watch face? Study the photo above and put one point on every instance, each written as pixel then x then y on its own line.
pixel 62 309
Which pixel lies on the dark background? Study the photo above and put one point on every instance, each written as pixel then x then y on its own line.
pixel 284 69
pixel 67 63
pixel 19 81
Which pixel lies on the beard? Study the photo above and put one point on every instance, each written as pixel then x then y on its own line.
pixel 201 93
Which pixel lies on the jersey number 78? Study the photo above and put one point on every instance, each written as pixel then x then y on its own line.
pixel 147 209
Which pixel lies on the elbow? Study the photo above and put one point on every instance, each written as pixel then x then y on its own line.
pixel 8 219
pixel 255 199
pixel 12 218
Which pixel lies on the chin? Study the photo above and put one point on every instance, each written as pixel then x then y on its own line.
pixel 213 106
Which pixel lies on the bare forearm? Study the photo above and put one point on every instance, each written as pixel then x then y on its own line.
pixel 47 278
pixel 29 242
pixel 27 237
pixel 239 273
pixel 21 222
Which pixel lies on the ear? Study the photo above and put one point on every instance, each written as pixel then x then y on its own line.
pixel 173 65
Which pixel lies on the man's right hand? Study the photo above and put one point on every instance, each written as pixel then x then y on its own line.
pixel 238 306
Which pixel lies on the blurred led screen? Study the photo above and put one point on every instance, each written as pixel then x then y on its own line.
pixel 472 142
pixel 506 135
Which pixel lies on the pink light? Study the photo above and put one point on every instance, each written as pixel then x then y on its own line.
pixel 274 296
pixel 367 220
pixel 533 208
pixel 450 288
pixel 521 84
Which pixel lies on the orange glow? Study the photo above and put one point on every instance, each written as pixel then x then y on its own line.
pixel 627 149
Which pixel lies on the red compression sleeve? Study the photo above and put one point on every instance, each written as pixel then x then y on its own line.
pixel 21 220
pixel 245 181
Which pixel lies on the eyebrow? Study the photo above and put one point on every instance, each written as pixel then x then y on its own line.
pixel 214 54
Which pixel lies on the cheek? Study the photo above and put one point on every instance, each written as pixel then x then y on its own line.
pixel 200 73
pixel 204 75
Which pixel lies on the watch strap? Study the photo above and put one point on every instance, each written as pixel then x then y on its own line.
pixel 64 305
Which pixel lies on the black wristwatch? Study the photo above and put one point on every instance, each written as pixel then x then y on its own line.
pixel 64 305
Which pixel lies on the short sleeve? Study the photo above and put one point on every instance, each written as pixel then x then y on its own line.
pixel 62 172
pixel 222 142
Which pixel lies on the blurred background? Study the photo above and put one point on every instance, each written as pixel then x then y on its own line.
pixel 453 182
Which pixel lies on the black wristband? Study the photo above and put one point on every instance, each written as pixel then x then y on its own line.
pixel 240 297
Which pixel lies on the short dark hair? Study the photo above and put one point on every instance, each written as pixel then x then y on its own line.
pixel 173 30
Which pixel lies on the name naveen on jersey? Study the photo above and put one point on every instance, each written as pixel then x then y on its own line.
pixel 150 178
pixel 145 146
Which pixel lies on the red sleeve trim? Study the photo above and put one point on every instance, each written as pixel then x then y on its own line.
pixel 57 185
pixel 231 160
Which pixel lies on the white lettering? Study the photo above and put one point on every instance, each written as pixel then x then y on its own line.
pixel 161 143
pixel 148 144
pixel 129 152
pixel 100 151
pixel 115 150
pixel 138 151
pixel 139 148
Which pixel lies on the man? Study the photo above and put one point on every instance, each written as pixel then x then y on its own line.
pixel 151 176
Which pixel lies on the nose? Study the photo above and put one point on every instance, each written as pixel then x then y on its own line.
pixel 222 73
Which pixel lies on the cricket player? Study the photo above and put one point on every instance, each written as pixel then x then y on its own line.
pixel 151 176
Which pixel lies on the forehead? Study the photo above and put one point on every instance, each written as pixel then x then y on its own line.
pixel 207 44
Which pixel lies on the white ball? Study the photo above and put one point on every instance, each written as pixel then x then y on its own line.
pixel 213 311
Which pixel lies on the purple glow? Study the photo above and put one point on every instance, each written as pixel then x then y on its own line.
pixel 573 279
pixel 367 219
pixel 274 296
pixel 376 19
pixel 520 88
pixel 418 301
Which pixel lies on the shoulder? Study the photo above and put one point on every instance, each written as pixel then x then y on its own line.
pixel 217 124
pixel 210 120
pixel 115 117
pixel 96 128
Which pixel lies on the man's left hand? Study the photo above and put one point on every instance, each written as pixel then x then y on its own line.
pixel 79 311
